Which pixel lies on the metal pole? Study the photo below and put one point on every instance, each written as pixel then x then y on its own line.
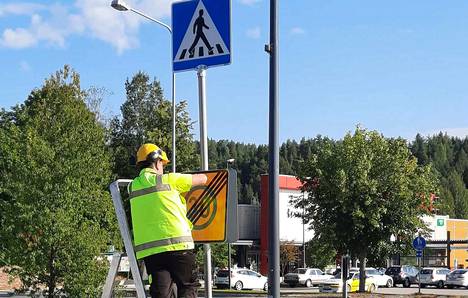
pixel 204 165
pixel 448 251
pixel 419 279
pixel 303 233
pixel 229 264
pixel 344 275
pixel 174 112
pixel 273 159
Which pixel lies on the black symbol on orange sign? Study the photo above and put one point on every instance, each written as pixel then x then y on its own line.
pixel 201 206
pixel 209 213
pixel 198 26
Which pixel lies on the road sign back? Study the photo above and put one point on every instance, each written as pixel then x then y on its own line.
pixel 201 33
pixel 212 208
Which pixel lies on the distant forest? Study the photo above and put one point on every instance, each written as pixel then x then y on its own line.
pixel 448 156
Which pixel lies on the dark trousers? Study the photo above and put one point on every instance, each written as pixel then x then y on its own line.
pixel 172 266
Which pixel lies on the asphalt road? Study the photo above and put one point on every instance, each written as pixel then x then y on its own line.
pixel 303 292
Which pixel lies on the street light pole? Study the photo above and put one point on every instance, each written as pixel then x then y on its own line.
pixel 122 6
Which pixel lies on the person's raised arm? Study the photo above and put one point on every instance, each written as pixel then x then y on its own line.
pixel 199 179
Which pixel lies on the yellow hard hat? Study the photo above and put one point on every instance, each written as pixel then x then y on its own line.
pixel 151 152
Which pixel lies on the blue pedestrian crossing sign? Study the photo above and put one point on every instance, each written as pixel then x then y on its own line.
pixel 201 34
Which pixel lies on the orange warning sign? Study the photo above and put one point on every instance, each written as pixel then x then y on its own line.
pixel 207 207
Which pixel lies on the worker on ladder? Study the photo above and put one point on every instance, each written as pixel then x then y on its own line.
pixel 162 233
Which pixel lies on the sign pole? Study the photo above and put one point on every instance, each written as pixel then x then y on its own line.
pixel 419 279
pixel 174 116
pixel 273 159
pixel 201 73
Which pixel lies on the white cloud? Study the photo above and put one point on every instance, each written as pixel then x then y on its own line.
pixel 52 30
pixel 249 2
pixel 253 33
pixel 297 31
pixel 17 38
pixel 24 66
pixel 95 18
pixel 20 8
pixel 120 29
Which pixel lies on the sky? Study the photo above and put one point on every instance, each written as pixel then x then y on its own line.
pixel 398 67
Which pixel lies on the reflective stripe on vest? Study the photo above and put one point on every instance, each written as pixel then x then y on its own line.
pixel 158 187
pixel 163 242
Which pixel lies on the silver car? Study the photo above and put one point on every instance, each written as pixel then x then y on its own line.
pixel 457 278
pixel 433 277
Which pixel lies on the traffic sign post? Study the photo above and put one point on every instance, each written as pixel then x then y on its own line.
pixel 201 38
pixel 419 243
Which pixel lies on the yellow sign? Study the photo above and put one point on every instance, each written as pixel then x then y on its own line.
pixel 207 207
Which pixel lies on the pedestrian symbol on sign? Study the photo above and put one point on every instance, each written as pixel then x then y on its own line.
pixel 198 27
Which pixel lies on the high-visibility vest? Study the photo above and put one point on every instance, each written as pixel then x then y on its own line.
pixel 159 213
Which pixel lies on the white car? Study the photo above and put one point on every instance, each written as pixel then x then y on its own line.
pixel 433 277
pixel 306 276
pixel 241 278
pixel 457 278
pixel 382 280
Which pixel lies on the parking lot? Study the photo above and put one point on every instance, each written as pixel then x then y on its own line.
pixel 399 290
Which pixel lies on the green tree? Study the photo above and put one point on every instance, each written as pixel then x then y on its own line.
pixel 219 255
pixel 362 190
pixel 319 254
pixel 57 216
pixel 456 187
pixel 147 117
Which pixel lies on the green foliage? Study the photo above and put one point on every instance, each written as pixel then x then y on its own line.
pixel 364 189
pixel 450 163
pixel 319 254
pixel 57 216
pixel 252 161
pixel 147 117
pixel 219 255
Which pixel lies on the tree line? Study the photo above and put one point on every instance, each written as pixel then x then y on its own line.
pixel 59 152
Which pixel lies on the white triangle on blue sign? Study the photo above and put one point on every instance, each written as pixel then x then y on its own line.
pixel 202 39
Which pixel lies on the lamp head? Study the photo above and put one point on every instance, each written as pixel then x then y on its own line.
pixel 119 5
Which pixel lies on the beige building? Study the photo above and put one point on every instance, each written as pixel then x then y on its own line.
pixel 439 251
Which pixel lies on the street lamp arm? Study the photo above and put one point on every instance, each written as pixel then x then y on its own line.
pixel 151 19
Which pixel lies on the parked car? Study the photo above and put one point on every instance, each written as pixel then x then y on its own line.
pixel 306 276
pixel 457 278
pixel 241 278
pixel 335 284
pixel 381 279
pixel 405 275
pixel 433 277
